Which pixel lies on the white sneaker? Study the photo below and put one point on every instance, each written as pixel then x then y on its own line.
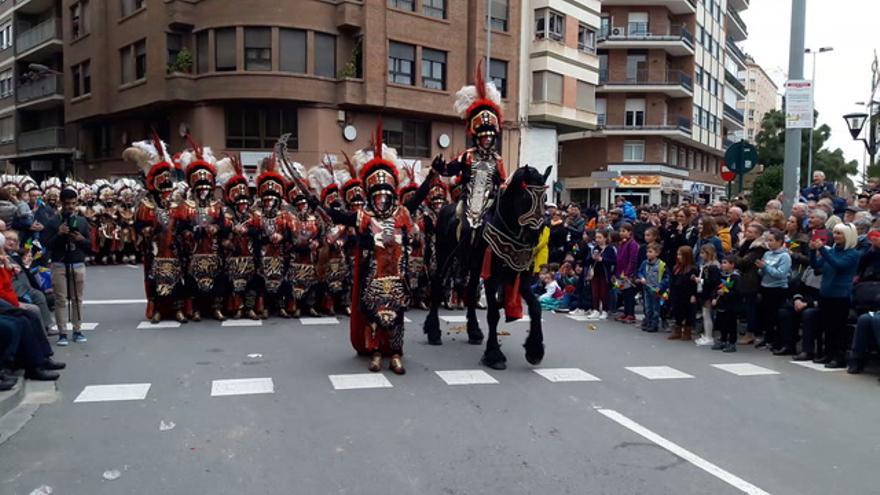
pixel 577 312
pixel 603 315
pixel 704 340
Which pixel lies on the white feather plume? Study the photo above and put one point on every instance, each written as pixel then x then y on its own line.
pixel 467 95
pixel 225 170
pixel 319 178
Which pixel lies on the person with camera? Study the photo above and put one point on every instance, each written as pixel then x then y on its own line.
pixel 67 238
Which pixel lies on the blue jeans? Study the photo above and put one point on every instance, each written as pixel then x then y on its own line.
pixel 868 326
pixel 652 309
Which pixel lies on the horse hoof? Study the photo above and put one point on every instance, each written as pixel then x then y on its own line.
pixel 475 341
pixel 535 356
pixel 495 365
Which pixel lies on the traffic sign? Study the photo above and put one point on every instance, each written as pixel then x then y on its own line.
pixel 741 157
pixel 726 174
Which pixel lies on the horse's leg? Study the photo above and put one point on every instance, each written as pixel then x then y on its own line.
pixel 475 335
pixel 535 341
pixel 432 320
pixel 492 356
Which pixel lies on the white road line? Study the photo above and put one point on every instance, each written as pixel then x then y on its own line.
pixel 725 476
pixel 359 381
pixel 242 323
pixel 110 302
pixel 745 369
pixel 83 326
pixel 658 372
pixel 557 375
pixel 454 319
pixel 329 320
pixel 116 392
pixel 407 320
pixel 466 377
pixel 815 366
pixel 242 386
pixel 162 324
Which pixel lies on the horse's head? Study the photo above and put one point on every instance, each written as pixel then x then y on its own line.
pixel 525 196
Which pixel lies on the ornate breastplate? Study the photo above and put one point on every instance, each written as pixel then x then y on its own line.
pixel 479 193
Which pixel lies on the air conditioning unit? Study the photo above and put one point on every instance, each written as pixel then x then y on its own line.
pixel 618 31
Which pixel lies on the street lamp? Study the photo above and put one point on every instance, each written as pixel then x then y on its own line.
pixel 855 122
pixel 823 49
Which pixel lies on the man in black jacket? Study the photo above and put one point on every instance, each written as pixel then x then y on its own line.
pixel 67 238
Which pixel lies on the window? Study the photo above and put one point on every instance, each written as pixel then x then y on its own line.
pixel 224 45
pixel 7 129
pixel 292 50
pixel 257 48
pixel 401 63
pixel 79 19
pixel 433 69
pixel 403 4
pixel 102 143
pixel 547 87
pixel 259 128
pixel 410 137
pixel 6 83
pixel 586 96
pixel 325 55
pixel 601 108
pixel 6 36
pixel 586 39
pixel 673 156
pixel 549 24
pixel 498 75
pixel 635 112
pixel 131 6
pixel 202 55
pixel 498 16
pixel 698 75
pixel 133 61
pixel 173 43
pixel 633 151
pixel 82 79
pixel 434 8
pixel 605 26
pixel 636 68
pixel 637 24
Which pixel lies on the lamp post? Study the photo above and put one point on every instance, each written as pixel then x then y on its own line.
pixel 855 122
pixel 810 156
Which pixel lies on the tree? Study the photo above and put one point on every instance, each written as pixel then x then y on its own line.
pixel 766 187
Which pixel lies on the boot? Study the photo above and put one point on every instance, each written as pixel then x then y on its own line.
pixel 676 333
pixel 179 316
pixel 252 314
pixel 686 335
pixel 156 318
pixel 855 364
pixel 283 313
pixel 747 339
pixel 196 316
pixel 375 362
pixel 218 310
pixel 396 365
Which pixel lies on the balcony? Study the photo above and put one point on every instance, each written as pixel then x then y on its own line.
pixel 349 15
pixel 42 139
pixel 738 5
pixel 44 33
pixel 546 54
pixel 673 83
pixel 675 126
pixel 32 92
pixel 736 28
pixel 674 6
pixel 733 116
pixel 677 40
pixel 565 119
pixel 735 53
pixel 733 81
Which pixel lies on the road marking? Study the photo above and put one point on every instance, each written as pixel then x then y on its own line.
pixel 556 375
pixel 815 366
pixel 658 372
pixel 242 386
pixel 116 392
pixel 466 377
pixel 579 318
pixel 242 323
pixel 406 320
pixel 745 369
pixel 359 380
pixel 100 302
pixel 328 320
pixel 454 319
pixel 725 476
pixel 83 326
pixel 162 324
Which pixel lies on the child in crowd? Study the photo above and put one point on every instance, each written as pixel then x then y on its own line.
pixel 625 273
pixel 651 235
pixel 567 281
pixel 683 294
pixel 708 280
pixel 775 270
pixel 725 302
pixel 552 295
pixel 654 280
pixel 599 275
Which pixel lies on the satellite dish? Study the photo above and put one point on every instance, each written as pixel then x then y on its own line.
pixel 443 141
pixel 350 133
pixel 183 129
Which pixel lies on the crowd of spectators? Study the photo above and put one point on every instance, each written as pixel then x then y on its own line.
pixel 805 285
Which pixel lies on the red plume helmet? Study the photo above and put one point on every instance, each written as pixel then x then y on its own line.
pixel 480 105
pixel 270 181
pixel 379 172
pixel 201 167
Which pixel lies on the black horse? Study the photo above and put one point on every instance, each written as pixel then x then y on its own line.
pixel 510 231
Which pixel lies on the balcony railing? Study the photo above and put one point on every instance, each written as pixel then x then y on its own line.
pixel 673 123
pixel 733 81
pixel 600 119
pixel 675 32
pixel 41 88
pixel 733 113
pixel 41 33
pixel 642 77
pixel 738 20
pixel 736 50
pixel 43 139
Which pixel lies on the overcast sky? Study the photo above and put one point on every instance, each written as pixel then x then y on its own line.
pixel 843 76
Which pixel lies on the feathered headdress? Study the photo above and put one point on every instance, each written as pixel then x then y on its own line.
pixel 198 163
pixel 52 183
pixel 480 105
pixel 270 182
pixel 409 178
pixel 323 181
pixel 152 159
pixel 380 171
pixel 230 176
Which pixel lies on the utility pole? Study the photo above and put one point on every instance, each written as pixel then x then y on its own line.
pixel 813 80
pixel 793 137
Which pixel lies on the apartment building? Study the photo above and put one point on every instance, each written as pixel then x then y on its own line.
pixel 762 96
pixel 33 137
pixel 660 105
pixel 559 75
pixel 237 75
pixel 734 60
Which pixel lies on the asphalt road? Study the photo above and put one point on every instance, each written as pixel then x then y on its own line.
pixel 798 431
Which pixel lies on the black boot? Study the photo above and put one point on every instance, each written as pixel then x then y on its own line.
pixel 855 364
pixel 41 375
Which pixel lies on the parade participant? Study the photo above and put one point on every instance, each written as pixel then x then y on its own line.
pixel 380 294
pixel 239 239
pixel 156 223
pixel 411 198
pixel 335 270
pixel 199 221
pixel 306 232
pixel 273 224
pixel 50 203
pixel 106 241
pixel 126 194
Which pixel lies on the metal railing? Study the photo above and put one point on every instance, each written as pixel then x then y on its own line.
pixel 42 139
pixel 733 113
pixel 672 123
pixel 730 78
pixel 731 45
pixel 41 33
pixel 675 32
pixel 672 77
pixel 47 86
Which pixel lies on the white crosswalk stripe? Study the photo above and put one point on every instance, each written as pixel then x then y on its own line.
pixel 83 326
pixel 242 323
pixel 815 366
pixel 328 320
pixel 557 375
pixel 357 381
pixel 745 369
pixel 466 377
pixel 242 386
pixel 658 372
pixel 162 324
pixel 114 392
